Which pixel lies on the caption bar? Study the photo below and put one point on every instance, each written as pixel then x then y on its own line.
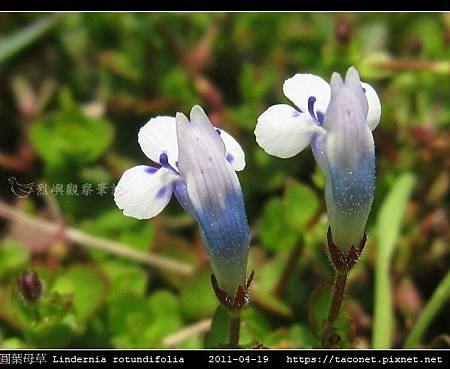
pixel 227 358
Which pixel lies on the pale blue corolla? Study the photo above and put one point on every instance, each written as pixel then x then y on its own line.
pixel 198 165
pixel 337 121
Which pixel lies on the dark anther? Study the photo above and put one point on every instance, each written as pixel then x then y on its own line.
pixel 233 303
pixel 344 262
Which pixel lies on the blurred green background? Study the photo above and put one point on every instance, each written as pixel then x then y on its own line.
pixel 76 88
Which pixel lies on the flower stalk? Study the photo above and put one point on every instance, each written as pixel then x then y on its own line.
pixel 342 264
pixel 235 328
pixel 234 306
pixel 330 337
pixel 338 294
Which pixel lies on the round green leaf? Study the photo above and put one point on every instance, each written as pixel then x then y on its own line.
pixel 68 136
pixel 300 203
pixel 87 286
pixel 274 232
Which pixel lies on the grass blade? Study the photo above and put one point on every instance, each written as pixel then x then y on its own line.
pixel 440 296
pixel 12 44
pixel 388 224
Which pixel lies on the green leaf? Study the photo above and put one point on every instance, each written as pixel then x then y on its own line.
pixel 56 324
pixel 12 44
pixel 283 220
pixel 55 334
pixel 388 225
pixel 12 257
pixel 254 327
pixel 301 203
pixel 165 316
pixel 128 318
pixel 197 300
pixel 87 286
pixel 274 232
pixel 124 278
pixel 219 331
pixel 70 137
pixel 135 322
pixel 13 307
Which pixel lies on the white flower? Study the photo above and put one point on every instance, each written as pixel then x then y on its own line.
pixel 198 164
pixel 337 121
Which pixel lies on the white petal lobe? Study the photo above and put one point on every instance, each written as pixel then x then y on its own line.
pixel 159 136
pixel 284 132
pixel 374 113
pixel 300 87
pixel 143 191
pixel 234 153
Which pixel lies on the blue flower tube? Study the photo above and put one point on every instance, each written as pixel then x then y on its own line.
pixel 337 121
pixel 198 165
